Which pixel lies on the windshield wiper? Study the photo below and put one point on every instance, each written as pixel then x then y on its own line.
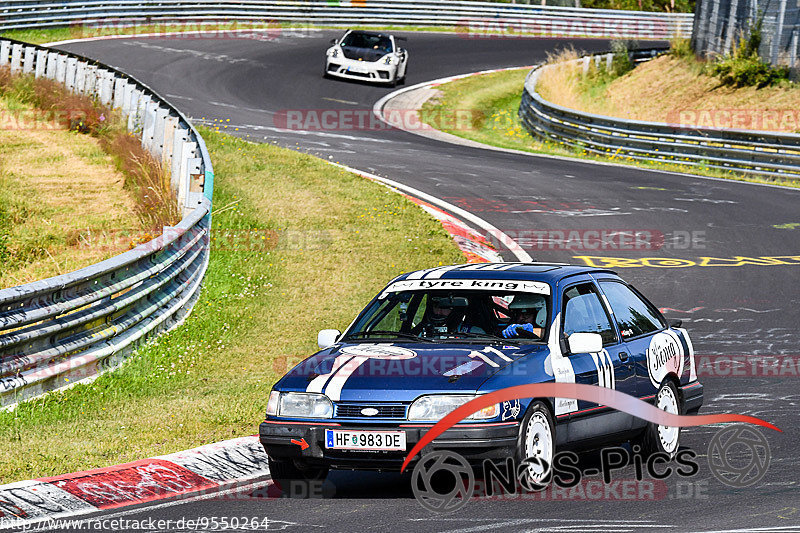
pixel 392 333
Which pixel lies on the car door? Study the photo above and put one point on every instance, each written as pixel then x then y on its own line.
pixel 638 321
pixel 584 312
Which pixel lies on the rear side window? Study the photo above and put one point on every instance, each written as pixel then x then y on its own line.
pixel 634 316
pixel 583 313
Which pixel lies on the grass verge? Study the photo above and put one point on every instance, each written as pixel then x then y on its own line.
pixel 492 101
pixel 298 246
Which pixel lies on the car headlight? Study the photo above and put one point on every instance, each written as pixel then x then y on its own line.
pixel 437 406
pixel 387 59
pixel 301 405
pixel 333 52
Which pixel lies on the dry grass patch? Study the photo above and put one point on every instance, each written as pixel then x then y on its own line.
pixel 661 89
pixel 61 202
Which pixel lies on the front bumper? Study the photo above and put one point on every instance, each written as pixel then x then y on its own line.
pixel 474 441
pixel 377 71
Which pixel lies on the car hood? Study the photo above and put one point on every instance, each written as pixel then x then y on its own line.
pixel 364 54
pixel 400 372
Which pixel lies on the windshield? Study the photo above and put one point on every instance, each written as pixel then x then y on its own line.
pixel 437 315
pixel 363 40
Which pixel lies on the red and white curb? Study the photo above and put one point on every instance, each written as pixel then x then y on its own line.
pixel 206 469
pixel 476 247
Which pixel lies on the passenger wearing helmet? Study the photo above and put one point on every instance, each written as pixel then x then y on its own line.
pixel 527 315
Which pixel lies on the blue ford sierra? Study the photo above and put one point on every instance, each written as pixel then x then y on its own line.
pixel 432 340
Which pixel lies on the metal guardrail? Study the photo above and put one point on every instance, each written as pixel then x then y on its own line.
pixel 474 18
pixel 64 329
pixel 759 153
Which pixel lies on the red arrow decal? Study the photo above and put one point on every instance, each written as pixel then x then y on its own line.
pixel 302 443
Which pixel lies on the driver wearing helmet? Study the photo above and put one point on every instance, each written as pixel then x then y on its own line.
pixel 447 315
pixel 527 313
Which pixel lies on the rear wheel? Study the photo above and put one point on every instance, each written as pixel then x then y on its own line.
pixel 291 477
pixel 663 439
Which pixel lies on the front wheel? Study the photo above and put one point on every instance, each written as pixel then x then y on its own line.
pixel 663 439
pixel 292 479
pixel 536 447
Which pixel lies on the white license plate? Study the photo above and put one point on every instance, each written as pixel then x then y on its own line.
pixel 339 439
pixel 358 69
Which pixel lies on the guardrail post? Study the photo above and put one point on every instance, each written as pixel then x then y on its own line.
pixel 16 57
pixel 106 79
pixel 41 63
pixel 90 85
pixel 52 59
pixel 133 110
pixel 126 100
pixel 69 78
pixel 148 129
pixel 138 124
pixel 179 138
pixel 158 132
pixel 80 77
pixel 5 49
pixel 609 61
pixel 27 61
pixel 61 68
pixel 170 123
pixel 119 91
pixel 187 153
pixel 586 61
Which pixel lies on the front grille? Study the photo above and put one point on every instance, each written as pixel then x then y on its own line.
pixel 384 411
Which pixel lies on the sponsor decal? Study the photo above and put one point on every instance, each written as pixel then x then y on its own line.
pixel 511 409
pixel 664 356
pixel 467 284
pixel 379 351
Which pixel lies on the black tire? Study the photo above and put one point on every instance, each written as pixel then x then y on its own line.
pixel 537 425
pixel 288 475
pixel 662 439
pixel 393 83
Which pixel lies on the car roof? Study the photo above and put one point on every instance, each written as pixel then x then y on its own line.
pixel 373 33
pixel 545 272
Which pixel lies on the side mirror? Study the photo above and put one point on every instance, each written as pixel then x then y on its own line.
pixel 333 41
pixel 585 343
pixel 327 338
pixel 674 322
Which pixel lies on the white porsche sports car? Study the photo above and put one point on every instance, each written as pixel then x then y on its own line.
pixel 368 56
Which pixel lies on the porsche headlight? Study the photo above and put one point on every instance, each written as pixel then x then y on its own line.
pixel 388 59
pixel 333 52
pixel 303 405
pixel 437 406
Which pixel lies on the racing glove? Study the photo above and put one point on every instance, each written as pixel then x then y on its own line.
pixel 511 331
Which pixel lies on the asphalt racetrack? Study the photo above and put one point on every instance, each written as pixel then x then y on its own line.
pixel 731 305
